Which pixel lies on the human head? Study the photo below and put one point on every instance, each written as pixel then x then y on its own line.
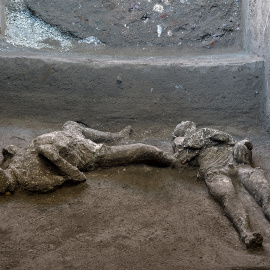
pixel 185 128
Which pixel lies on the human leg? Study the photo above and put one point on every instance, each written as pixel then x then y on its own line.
pixel 221 188
pixel 110 156
pixel 257 185
pixel 96 135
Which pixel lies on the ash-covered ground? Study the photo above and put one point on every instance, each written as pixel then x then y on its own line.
pixel 134 217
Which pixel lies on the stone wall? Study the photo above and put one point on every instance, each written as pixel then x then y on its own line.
pixel 257 38
pixel 187 25
pixel 112 91
pixel 216 89
pixel 2 17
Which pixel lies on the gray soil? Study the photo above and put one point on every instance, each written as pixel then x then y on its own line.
pixel 196 26
pixel 135 217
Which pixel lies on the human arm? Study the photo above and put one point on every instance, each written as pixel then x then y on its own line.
pixel 208 137
pixel 221 137
pixel 50 152
pixel 94 135
pixel 242 151
pixel 183 154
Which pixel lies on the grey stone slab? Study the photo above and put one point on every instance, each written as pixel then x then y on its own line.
pixel 257 38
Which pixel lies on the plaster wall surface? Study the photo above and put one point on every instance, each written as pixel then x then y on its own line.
pixel 257 38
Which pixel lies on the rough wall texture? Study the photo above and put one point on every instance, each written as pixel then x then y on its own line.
pixel 112 91
pixel 257 13
pixel 147 91
pixel 185 24
pixel 2 17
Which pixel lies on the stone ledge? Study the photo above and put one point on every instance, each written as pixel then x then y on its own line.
pixel 111 58
pixel 219 90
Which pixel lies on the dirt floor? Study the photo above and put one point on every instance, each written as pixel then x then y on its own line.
pixel 135 217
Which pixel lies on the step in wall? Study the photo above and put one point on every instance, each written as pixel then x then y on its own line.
pixel 220 90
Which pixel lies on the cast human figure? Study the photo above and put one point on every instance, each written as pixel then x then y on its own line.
pixel 220 158
pixel 53 158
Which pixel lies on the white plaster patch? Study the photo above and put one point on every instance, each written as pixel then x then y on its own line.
pixel 90 40
pixel 159 30
pixel 145 21
pixel 169 33
pixel 23 29
pixel 158 8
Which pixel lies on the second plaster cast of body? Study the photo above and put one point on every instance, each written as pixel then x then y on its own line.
pixel 221 158
pixel 54 158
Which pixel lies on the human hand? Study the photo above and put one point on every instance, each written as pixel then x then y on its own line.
pixel 242 151
pixel 177 144
pixel 78 176
pixel 248 144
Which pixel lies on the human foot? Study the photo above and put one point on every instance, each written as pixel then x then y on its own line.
pixel 253 240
